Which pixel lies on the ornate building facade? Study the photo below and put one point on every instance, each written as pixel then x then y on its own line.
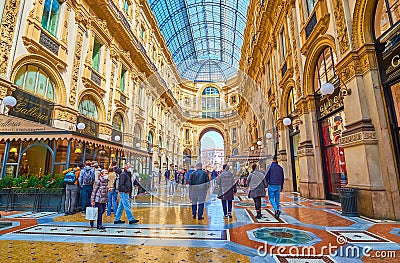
pixel 329 71
pixel 81 73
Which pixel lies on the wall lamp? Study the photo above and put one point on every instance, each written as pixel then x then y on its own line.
pixel 9 102
pixel 328 89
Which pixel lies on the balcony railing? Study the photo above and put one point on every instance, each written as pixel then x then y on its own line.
pixel 49 43
pixel 200 115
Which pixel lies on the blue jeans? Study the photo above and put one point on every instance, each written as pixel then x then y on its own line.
pixel 227 206
pixel 86 193
pixel 171 187
pixel 125 204
pixel 274 195
pixel 112 200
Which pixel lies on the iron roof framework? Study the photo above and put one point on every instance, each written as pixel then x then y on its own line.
pixel 205 37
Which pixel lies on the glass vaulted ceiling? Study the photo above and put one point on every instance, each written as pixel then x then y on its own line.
pixel 204 36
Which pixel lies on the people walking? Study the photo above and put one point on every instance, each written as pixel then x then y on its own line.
pixel 86 181
pixel 198 187
pixel 275 180
pixel 125 188
pixel 227 185
pixel 112 192
pixel 257 184
pixel 99 197
pixel 71 188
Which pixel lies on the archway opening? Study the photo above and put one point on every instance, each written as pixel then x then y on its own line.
pixel 212 150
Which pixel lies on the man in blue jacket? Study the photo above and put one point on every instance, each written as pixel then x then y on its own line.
pixel 275 179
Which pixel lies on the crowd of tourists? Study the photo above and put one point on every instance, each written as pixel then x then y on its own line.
pixel 110 189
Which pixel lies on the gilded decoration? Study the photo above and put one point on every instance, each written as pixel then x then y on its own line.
pixel 7 30
pixel 362 11
pixel 341 27
pixel 296 58
pixel 65 114
pixel 111 92
pixel 75 68
pixel 105 128
pixel 359 138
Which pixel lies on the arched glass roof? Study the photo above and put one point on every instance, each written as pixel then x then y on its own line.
pixel 205 37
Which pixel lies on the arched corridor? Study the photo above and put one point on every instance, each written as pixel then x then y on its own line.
pixel 200 131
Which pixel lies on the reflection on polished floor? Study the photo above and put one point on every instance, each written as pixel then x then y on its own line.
pixel 168 233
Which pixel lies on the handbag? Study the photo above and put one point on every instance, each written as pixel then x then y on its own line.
pixel 91 213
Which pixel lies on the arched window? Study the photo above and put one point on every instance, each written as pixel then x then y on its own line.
pixel 118 122
pixel 88 108
pixel 386 16
pixel 290 102
pixel 137 131
pixel 325 68
pixel 35 80
pixel 51 14
pixel 210 103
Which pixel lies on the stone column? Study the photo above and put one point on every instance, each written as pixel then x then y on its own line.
pixel 309 152
pixel 369 159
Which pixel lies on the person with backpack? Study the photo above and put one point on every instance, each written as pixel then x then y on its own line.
pixel 71 176
pixel 86 181
pixel 98 197
pixel 125 188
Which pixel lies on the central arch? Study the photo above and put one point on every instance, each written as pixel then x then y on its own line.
pixel 212 157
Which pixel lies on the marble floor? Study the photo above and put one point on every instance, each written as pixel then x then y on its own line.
pixel 307 231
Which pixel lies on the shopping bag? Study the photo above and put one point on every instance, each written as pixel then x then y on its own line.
pixel 91 213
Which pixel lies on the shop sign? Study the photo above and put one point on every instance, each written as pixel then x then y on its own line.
pixel 12 124
pixel 391 60
pixel 91 127
pixel 330 104
pixel 31 107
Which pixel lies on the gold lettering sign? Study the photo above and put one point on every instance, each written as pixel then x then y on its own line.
pixel 331 105
pixel 396 61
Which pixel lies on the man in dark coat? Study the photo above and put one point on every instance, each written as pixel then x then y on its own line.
pixel 125 188
pixel 275 179
pixel 198 187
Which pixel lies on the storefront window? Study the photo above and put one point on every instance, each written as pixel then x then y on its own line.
pixel 13 153
pixel 386 16
pixel 34 80
pixel 335 166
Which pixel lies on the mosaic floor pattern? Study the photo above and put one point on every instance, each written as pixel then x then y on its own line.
pixel 167 232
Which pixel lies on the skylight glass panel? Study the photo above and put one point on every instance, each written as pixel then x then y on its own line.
pixel 209 33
